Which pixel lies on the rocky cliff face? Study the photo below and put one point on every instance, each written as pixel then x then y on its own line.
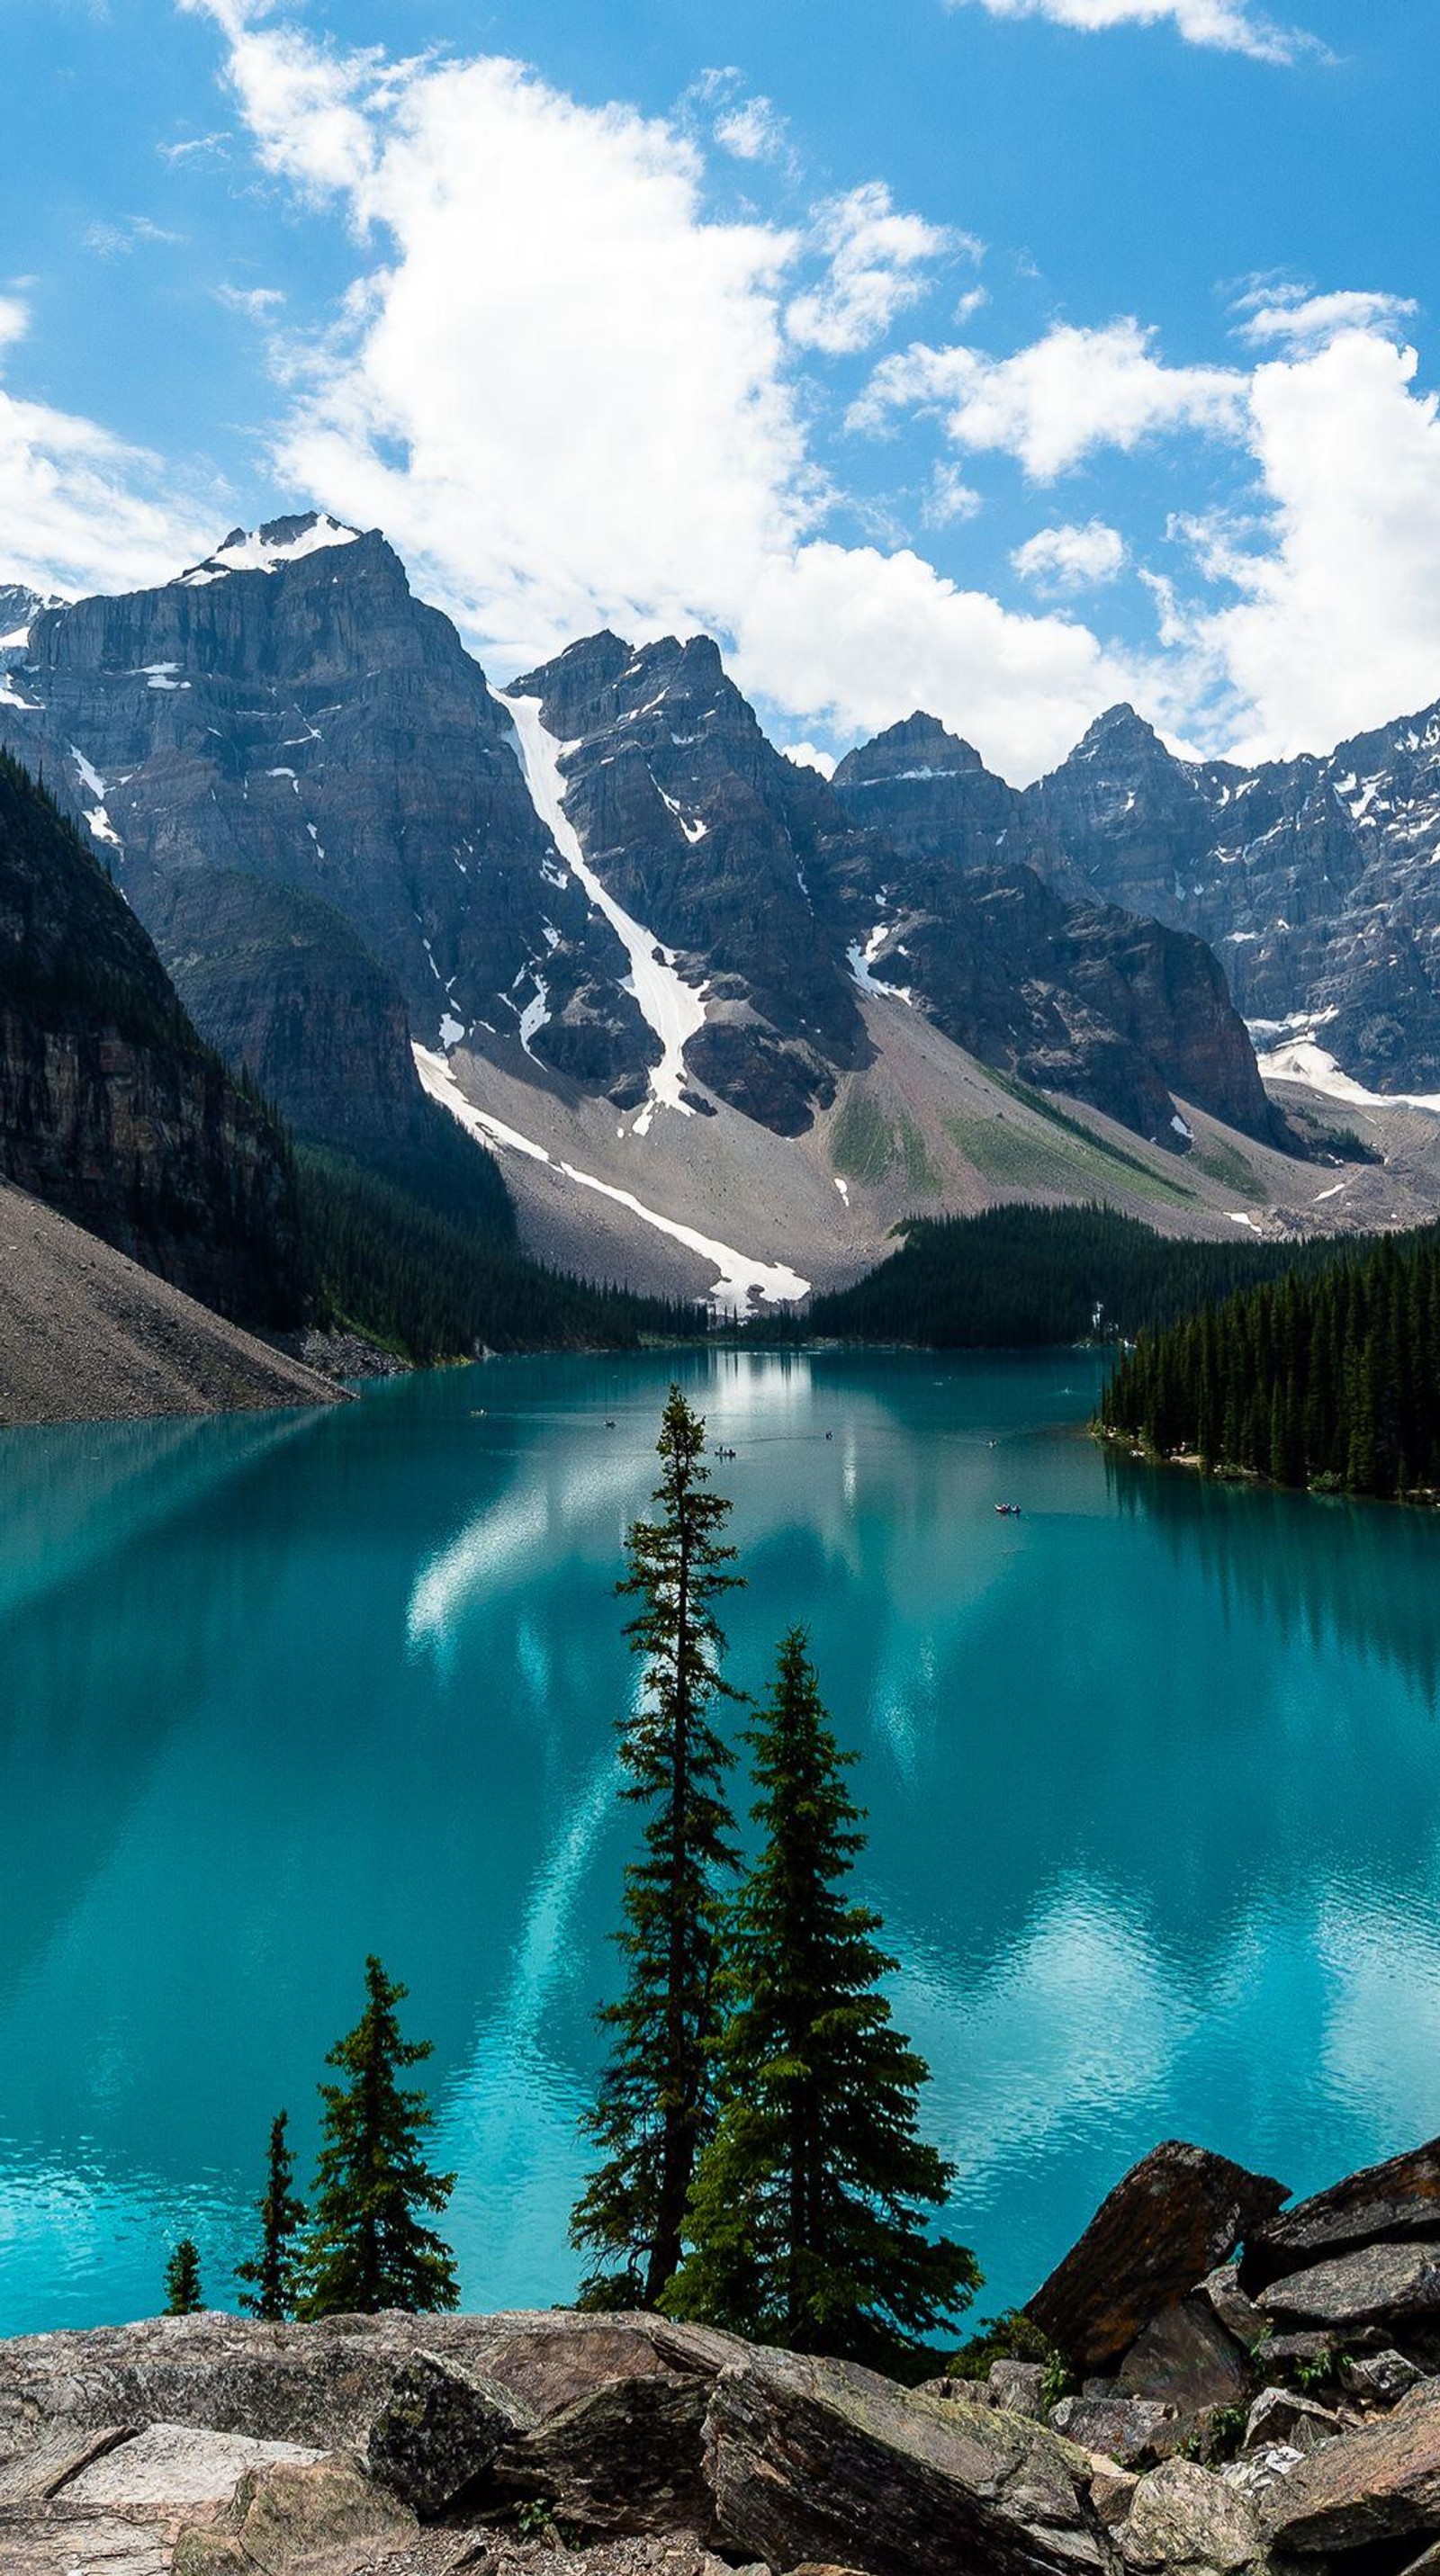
pixel 608 879
pixel 281 986
pixel 702 830
pixel 1313 878
pixel 973 915
pixel 287 708
pixel 110 1108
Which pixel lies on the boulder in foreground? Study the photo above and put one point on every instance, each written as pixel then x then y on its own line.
pixel 1167 2223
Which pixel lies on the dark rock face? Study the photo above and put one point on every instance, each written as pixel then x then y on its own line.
pixel 822 2462
pixel 1166 2224
pixel 932 797
pixel 289 709
pixel 1382 2204
pixel 701 829
pixel 987 921
pixel 1378 2484
pixel 1311 877
pixel 1185 2358
pixel 290 712
pixel 1375 2285
pixel 280 985
pixel 110 1109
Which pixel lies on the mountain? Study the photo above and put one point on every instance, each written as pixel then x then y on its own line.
pixel 111 1109
pixel 727 1021
pixel 1315 879
pixel 976 918
pixel 289 709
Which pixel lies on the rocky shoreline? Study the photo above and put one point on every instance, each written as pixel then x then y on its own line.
pixel 1252 2389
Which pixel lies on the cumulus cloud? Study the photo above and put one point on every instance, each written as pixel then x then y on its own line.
pixel 598 420
pixel 747 125
pixel 79 509
pixel 1054 403
pixel 1067 559
pixel 1293 317
pixel 878 265
pixel 1228 25
pixel 809 755
pixel 1335 625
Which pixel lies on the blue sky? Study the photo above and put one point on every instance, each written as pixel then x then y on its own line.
pixel 953 354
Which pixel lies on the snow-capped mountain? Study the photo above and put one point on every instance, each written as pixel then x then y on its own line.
pixel 1317 880
pixel 656 962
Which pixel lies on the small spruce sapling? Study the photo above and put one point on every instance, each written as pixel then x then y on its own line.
pixel 367 2249
pixel 183 2295
pixel 273 2274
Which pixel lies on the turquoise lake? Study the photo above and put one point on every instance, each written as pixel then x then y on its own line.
pixel 1153 1780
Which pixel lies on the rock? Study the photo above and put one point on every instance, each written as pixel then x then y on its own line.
pixel 1186 2359
pixel 314 2518
pixel 625 2458
pixel 1385 2377
pixel 814 2459
pixel 40 2544
pixel 1383 2202
pixel 1167 2223
pixel 1378 2484
pixel 1237 2313
pixel 1258 2471
pixel 1112 2492
pixel 1020 2385
pixel 172 2468
pixel 1132 2430
pixel 1279 2416
pixel 435 2440
pixel 1293 2353
pixel 1183 2516
pixel 1373 2286
pixel 38 2472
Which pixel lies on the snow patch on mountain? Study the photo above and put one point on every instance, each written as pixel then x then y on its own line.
pixel 740 1279
pixel 267 549
pixel 674 1009
pixel 1303 1061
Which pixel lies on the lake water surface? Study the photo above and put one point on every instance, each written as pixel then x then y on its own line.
pixel 1153 1779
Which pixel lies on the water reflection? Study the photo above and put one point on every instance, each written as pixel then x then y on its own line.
pixel 1151 1778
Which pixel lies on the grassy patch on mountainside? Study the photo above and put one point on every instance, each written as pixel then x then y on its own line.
pixel 866 1146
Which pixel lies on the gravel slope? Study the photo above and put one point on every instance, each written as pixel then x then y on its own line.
pixel 87 1336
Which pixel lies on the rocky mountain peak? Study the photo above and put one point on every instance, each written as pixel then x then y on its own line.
pixel 267 549
pixel 919 747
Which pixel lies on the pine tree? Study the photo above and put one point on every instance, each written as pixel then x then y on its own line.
pixel 655 2101
pixel 367 2249
pixel 806 2220
pixel 183 2294
pixel 274 2273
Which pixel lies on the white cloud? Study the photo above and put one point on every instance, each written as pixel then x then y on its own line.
pixel 194 147
pixel 597 422
pixel 79 509
pixel 878 266
pixel 1054 403
pixel 258 303
pixel 753 129
pixel 1337 622
pixel 116 240
pixel 1300 321
pixel 808 755
pixel 1069 559
pixel 750 127
pixel 1229 25
pixel 949 499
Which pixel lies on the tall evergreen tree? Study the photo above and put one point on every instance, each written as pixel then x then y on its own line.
pixel 806 2222
pixel 655 2101
pixel 273 2274
pixel 367 2249
pixel 183 2294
